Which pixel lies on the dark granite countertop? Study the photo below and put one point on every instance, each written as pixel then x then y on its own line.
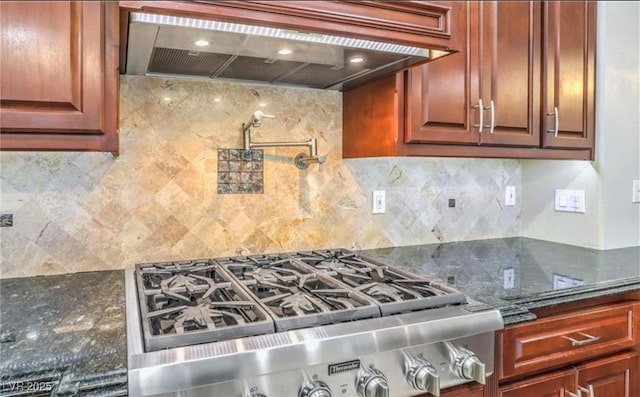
pixel 543 273
pixel 66 331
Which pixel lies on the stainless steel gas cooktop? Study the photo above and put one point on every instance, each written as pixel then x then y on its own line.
pixel 303 324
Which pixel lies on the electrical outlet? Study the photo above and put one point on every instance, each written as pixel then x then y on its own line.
pixel 636 192
pixel 379 202
pixel 509 278
pixel 510 196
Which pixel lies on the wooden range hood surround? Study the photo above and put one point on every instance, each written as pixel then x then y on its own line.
pixel 409 23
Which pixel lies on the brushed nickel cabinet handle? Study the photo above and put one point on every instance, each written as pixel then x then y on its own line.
pixel 481 117
pixel 492 123
pixel 556 124
pixel 572 394
pixel 590 339
pixel 589 391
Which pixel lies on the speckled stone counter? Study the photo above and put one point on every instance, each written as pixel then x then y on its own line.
pixel 516 275
pixel 64 332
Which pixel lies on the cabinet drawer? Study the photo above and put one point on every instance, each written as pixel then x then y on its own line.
pixel 567 338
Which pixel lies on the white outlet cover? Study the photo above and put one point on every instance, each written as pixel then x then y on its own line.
pixel 509 278
pixel 636 192
pixel 510 196
pixel 379 202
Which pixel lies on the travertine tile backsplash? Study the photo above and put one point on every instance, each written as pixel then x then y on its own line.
pixel 159 201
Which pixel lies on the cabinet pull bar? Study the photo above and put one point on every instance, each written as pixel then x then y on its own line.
pixel 556 124
pixel 492 123
pixel 590 339
pixel 589 391
pixel 572 394
pixel 481 117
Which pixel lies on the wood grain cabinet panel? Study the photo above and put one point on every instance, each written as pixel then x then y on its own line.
pixel 489 93
pixel 496 97
pixel 558 384
pixel 468 390
pixel 613 376
pixel 59 80
pixel 560 340
pixel 568 94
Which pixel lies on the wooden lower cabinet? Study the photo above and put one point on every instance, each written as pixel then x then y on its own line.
pixel 557 384
pixel 473 390
pixel 478 392
pixel 612 376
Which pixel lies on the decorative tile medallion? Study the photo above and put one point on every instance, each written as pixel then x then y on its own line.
pixel 240 171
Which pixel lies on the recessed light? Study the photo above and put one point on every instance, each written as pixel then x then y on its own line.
pixel 201 43
pixel 217 99
pixel 284 51
pixel 356 59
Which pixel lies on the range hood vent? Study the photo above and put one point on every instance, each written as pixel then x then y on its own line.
pixel 161 45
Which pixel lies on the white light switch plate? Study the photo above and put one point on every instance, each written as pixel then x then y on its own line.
pixel 510 196
pixel 570 201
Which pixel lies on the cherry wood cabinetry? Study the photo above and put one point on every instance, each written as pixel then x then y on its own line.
pixel 473 390
pixel 59 80
pixel 613 376
pixel 568 91
pixel 418 23
pixel 560 340
pixel 575 352
pixel 488 93
pixel 558 384
pixel 519 61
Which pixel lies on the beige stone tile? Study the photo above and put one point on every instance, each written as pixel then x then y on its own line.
pixel 158 200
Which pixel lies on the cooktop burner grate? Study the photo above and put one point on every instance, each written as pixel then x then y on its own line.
pixel 295 295
pixel 396 291
pixel 193 302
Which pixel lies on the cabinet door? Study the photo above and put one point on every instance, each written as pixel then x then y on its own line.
pixel 462 391
pixel 441 95
pixel 614 376
pixel 509 42
pixel 59 75
pixel 568 93
pixel 557 384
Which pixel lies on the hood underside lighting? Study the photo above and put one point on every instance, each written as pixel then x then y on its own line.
pixel 276 33
pixel 171 46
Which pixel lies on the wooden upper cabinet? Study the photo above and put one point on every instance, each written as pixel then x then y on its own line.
pixel 441 94
pixel 509 56
pixel 489 93
pixel 518 61
pixel 568 94
pixel 59 80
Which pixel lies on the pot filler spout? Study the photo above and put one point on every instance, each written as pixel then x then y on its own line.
pixel 301 161
pixel 161 45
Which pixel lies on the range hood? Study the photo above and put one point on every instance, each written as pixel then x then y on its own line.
pixel 161 45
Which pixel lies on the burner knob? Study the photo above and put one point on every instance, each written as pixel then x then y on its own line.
pixel 372 383
pixel 468 366
pixel 422 376
pixel 315 389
